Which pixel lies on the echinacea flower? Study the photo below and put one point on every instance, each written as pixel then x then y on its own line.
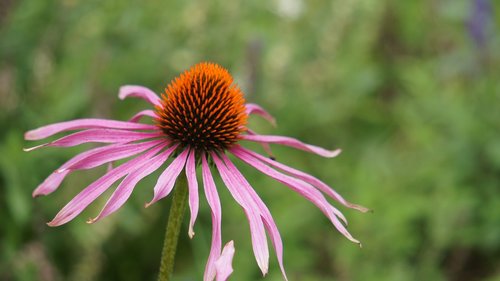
pixel 199 120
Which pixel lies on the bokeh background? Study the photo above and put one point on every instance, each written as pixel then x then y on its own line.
pixel 408 89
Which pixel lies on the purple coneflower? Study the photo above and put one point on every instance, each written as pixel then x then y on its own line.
pixel 198 121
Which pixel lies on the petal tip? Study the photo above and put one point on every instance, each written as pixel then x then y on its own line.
pixel 36 194
pixel 273 122
pixel 335 153
pixel 35 147
pixel 28 135
pixel 122 92
pixel 147 204
pixel 264 268
pixel 354 240
pixel 223 265
pixel 360 208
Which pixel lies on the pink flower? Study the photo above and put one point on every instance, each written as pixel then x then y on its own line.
pixel 199 120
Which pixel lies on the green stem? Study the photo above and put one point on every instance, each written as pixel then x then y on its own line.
pixel 175 216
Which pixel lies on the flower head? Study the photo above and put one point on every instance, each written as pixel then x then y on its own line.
pixel 203 109
pixel 200 119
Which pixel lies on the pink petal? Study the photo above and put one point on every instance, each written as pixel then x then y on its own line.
pixel 94 190
pixel 193 190
pixel 292 143
pixel 49 130
pixel 123 191
pixel 252 108
pixel 139 92
pixel 52 182
pixel 118 152
pixel 257 231
pixel 90 159
pixel 140 114
pixel 167 179
pixel 304 189
pixel 224 265
pixel 270 225
pixel 98 135
pixel 307 178
pixel 214 202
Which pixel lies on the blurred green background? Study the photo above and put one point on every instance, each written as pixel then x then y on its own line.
pixel 408 89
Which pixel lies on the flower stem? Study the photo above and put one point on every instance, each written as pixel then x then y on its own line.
pixel 175 216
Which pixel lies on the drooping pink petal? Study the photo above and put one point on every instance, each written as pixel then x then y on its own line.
pixel 257 231
pixel 224 265
pixel 140 114
pixel 118 152
pixel 123 191
pixel 215 208
pixel 99 135
pixel 50 130
pixel 292 143
pixel 252 108
pixel 270 225
pixel 167 179
pixel 52 182
pixel 303 188
pixel 307 178
pixel 139 92
pixel 94 190
pixel 90 159
pixel 193 190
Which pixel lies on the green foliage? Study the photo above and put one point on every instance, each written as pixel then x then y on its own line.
pixel 401 86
